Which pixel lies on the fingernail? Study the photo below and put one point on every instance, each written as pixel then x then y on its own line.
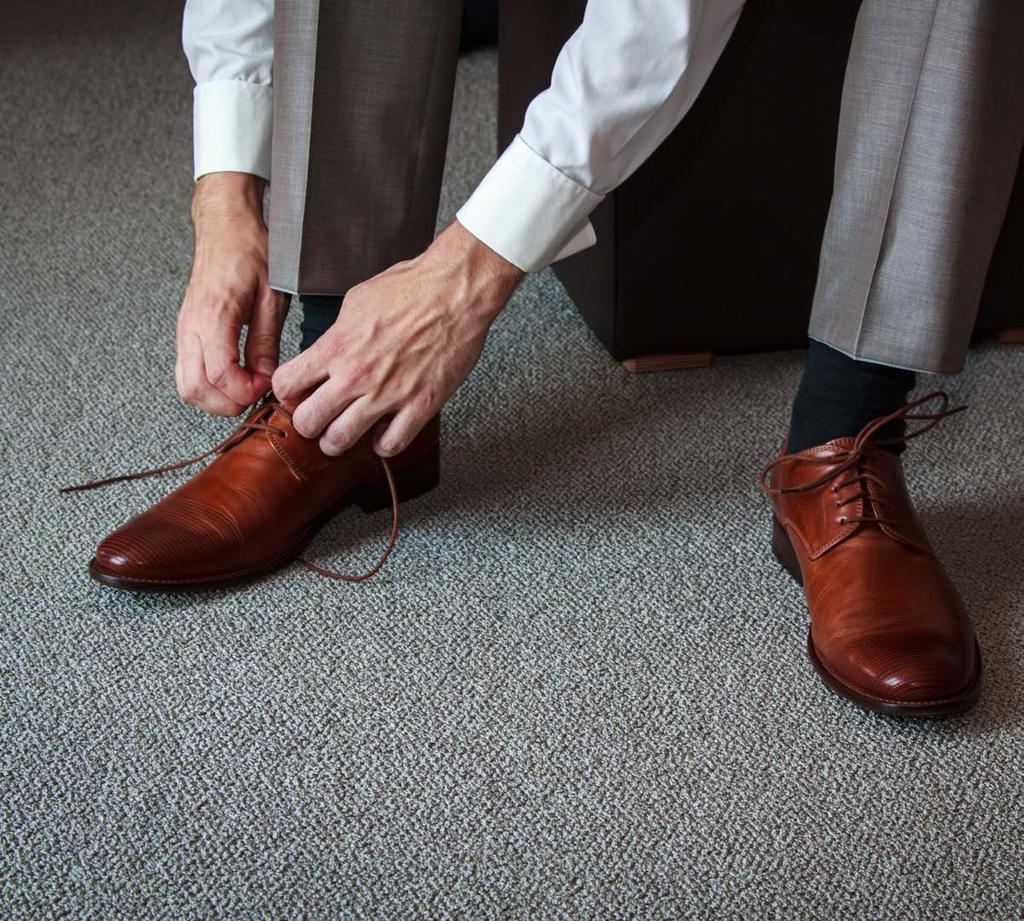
pixel 266 366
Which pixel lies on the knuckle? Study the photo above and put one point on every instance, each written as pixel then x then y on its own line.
pixel 226 306
pixel 354 376
pixel 336 440
pixel 280 382
pixel 189 391
pixel 218 375
pixel 329 346
pixel 403 392
pixel 304 425
pixel 218 316
pixel 392 442
pixel 423 402
pixel 331 446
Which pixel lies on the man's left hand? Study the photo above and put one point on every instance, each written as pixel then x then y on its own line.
pixel 403 343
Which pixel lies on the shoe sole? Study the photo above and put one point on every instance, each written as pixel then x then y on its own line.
pixel 782 550
pixel 416 480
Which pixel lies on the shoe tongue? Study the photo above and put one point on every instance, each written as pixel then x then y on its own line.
pixel 813 463
pixel 825 449
pixel 835 446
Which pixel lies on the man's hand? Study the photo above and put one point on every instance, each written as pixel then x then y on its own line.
pixel 227 290
pixel 403 343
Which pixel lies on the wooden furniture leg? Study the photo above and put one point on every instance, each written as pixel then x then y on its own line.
pixel 645 363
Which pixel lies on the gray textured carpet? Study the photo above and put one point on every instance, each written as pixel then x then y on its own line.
pixel 578 689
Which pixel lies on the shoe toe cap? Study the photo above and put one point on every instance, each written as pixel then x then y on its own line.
pixel 156 549
pixel 909 669
pixel 132 555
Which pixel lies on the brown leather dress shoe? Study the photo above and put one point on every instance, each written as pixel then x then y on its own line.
pixel 257 505
pixel 888 628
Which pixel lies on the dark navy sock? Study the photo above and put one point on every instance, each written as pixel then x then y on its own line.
pixel 319 311
pixel 839 395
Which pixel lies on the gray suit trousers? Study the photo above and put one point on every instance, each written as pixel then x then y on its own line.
pixel 930 136
pixel 362 100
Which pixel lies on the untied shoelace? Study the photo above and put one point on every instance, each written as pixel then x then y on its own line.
pixel 259 422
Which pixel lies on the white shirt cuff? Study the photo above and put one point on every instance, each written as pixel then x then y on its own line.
pixel 232 124
pixel 528 211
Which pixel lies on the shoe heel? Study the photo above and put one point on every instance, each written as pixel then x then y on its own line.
pixel 782 550
pixel 410 482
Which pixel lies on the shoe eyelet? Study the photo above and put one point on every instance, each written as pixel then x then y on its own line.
pixel 842 519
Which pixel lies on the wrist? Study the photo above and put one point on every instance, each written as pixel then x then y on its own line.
pixel 227 196
pixel 487 274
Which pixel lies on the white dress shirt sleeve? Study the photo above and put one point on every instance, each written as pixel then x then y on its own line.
pixel 621 84
pixel 230 49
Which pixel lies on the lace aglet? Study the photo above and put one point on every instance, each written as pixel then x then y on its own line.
pixel 94 484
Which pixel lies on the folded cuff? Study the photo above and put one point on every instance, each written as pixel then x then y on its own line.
pixel 528 211
pixel 232 124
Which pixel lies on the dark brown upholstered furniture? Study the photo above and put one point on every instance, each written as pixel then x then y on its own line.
pixel 712 245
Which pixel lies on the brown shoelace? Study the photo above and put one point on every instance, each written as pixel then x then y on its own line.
pixel 259 423
pixel 849 461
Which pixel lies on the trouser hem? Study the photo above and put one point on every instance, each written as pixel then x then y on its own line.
pixel 916 365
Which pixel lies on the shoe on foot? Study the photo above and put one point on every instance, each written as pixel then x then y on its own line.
pixel 888 628
pixel 257 505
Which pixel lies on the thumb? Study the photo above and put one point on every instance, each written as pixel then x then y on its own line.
pixel 263 339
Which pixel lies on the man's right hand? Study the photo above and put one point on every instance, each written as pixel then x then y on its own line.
pixel 228 290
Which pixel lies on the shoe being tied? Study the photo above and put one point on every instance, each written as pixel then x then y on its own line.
pixel 257 505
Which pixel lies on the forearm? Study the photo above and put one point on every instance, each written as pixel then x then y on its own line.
pixel 621 84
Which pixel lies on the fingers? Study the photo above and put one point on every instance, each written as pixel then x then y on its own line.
pixel 220 360
pixel 193 385
pixel 350 426
pixel 320 408
pixel 397 435
pixel 297 377
pixel 263 340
